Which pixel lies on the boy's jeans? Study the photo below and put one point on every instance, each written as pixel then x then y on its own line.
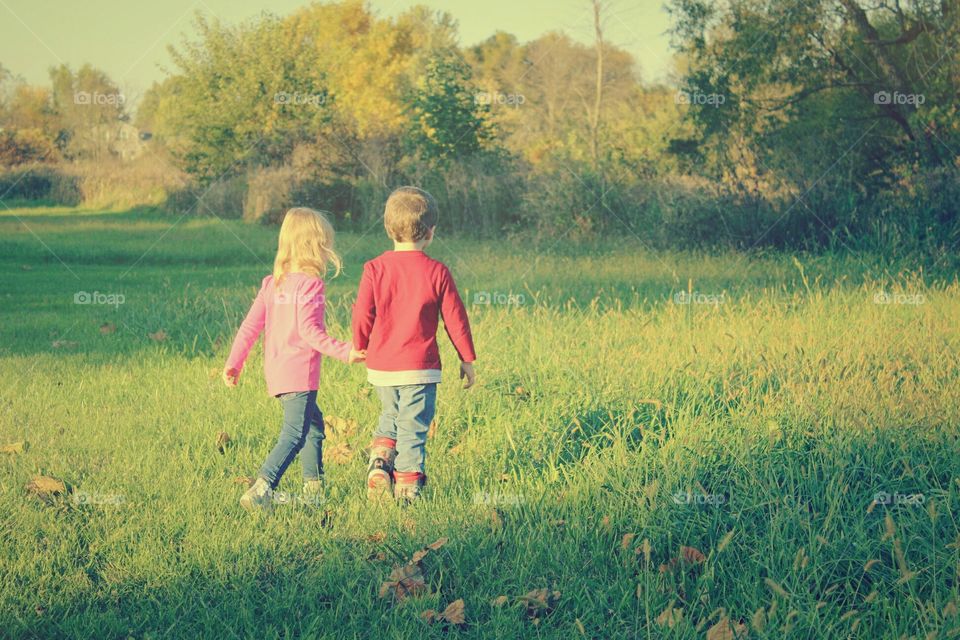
pixel 302 429
pixel 407 412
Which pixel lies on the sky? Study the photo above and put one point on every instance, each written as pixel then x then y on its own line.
pixel 129 40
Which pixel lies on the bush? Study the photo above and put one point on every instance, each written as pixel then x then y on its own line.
pixel 47 183
pixel 222 198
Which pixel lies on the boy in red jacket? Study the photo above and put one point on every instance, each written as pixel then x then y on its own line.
pixel 403 294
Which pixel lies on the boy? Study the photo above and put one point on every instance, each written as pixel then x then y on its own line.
pixel 402 295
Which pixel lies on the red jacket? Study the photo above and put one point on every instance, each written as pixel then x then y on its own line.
pixel 402 296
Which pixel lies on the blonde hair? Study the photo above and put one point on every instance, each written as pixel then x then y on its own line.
pixel 410 214
pixel 305 245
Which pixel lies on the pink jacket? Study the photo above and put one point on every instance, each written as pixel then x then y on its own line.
pixel 294 334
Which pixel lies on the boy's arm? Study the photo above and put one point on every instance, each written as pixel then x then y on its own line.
pixel 455 320
pixel 246 336
pixel 364 311
pixel 311 307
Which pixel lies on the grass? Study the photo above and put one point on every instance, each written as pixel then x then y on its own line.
pixel 758 429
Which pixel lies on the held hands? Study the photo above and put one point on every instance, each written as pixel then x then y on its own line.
pixel 230 377
pixel 356 356
pixel 466 371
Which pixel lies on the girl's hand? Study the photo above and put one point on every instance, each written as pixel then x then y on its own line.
pixel 466 371
pixel 231 377
pixel 357 356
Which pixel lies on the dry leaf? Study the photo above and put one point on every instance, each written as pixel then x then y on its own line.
pixel 377 537
pixel 605 523
pixel 404 581
pixel 419 555
pixel 726 630
pixel 158 336
pixel 340 427
pixel 692 555
pixel 13 447
pixel 107 328
pixel 499 601
pixel 46 486
pixel 455 612
pixel 627 540
pixel 247 481
pixel 670 616
pixel 539 602
pixel 432 431
pixel 340 453
pixel 223 439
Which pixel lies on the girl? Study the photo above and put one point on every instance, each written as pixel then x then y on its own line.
pixel 289 309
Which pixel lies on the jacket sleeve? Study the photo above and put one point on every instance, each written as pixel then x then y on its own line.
pixel 364 310
pixel 249 331
pixel 311 303
pixel 455 320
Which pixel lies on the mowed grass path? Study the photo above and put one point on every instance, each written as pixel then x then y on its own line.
pixel 760 425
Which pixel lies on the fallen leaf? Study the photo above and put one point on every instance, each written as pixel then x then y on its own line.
pixel 107 328
pixel 223 439
pixel 340 428
pixel 726 630
pixel 244 480
pixel 499 601
pixel 420 554
pixel 627 540
pixel 605 523
pixel 377 537
pixel 13 447
pixel 158 336
pixel 46 486
pixel 455 612
pixel 404 581
pixel 436 544
pixel 340 453
pixel 432 431
pixel 670 616
pixel 539 602
pixel 692 555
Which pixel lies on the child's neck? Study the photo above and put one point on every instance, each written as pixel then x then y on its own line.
pixel 410 246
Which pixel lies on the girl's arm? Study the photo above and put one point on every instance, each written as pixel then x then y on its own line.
pixel 248 333
pixel 311 303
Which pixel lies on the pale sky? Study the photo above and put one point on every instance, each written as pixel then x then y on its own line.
pixel 129 40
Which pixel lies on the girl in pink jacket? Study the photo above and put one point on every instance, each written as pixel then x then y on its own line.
pixel 289 310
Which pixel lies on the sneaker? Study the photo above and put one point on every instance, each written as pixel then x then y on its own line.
pixel 380 470
pixel 407 485
pixel 258 497
pixel 314 492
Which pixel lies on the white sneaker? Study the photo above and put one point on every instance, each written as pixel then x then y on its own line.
pixel 258 497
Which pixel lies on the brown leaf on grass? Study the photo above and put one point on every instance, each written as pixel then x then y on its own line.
pixel 627 540
pixel 158 336
pixel 107 328
pixel 455 613
pixel 670 616
pixel 223 439
pixel 499 601
pixel 692 555
pixel 44 486
pixel 340 428
pixel 420 554
pixel 246 481
pixel 404 581
pixel 432 431
pixel 726 630
pixel 605 523
pixel 539 602
pixel 496 520
pixel 14 447
pixel 377 537
pixel 64 344
pixel 340 453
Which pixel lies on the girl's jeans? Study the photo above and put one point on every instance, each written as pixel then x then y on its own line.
pixel 407 412
pixel 302 430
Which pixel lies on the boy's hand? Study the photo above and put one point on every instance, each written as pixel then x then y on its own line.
pixel 357 356
pixel 230 377
pixel 466 371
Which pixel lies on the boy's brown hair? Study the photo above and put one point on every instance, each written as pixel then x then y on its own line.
pixel 410 214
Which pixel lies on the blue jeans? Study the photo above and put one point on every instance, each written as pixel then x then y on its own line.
pixel 302 432
pixel 407 413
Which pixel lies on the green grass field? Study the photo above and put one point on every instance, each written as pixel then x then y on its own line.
pixel 796 422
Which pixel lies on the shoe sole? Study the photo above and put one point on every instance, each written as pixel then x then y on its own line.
pixel 379 485
pixel 252 507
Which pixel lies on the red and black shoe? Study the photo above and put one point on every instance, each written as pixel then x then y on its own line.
pixel 407 485
pixel 383 452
